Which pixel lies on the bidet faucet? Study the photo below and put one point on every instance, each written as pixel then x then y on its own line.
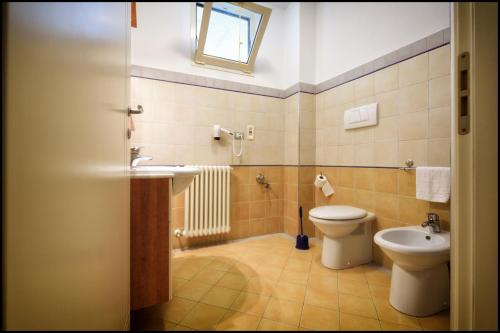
pixel 136 157
pixel 432 222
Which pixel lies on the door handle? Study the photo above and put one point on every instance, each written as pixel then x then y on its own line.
pixel 138 111
pixel 463 93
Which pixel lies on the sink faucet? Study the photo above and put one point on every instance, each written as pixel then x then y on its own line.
pixel 432 222
pixel 136 157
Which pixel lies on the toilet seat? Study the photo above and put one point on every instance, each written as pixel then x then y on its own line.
pixel 339 213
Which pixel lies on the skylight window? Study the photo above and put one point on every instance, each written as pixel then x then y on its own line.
pixel 229 34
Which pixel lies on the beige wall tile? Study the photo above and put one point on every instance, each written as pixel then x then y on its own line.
pixel 439 61
pixel 412 211
pixel 388 103
pixel 440 123
pixel 439 92
pixel 413 70
pixel 439 151
pixel 387 128
pixel 386 79
pixel 413 126
pixel 413 98
pixel 386 153
pixel 364 87
pixel 415 150
pixel 364 178
pixel 364 154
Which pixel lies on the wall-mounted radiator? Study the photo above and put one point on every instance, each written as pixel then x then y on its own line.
pixel 207 204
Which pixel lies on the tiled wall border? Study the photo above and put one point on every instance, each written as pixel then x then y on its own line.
pixel 423 45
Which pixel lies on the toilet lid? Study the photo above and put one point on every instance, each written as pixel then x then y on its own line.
pixel 337 212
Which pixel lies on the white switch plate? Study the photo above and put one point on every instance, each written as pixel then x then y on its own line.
pixel 361 116
pixel 250 132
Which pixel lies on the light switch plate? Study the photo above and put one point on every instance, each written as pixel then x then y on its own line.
pixel 250 132
pixel 361 116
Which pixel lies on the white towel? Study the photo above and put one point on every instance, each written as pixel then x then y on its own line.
pixel 433 184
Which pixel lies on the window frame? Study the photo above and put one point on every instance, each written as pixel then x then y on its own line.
pixel 204 59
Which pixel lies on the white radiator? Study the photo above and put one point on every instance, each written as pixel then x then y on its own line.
pixel 206 204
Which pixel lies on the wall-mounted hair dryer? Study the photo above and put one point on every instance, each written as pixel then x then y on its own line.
pixel 217 130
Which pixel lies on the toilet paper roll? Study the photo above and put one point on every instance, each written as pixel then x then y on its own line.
pixel 327 189
pixel 320 181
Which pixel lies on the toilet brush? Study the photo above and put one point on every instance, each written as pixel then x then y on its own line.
pixel 302 240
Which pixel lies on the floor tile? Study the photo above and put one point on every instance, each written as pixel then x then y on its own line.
pixel 297 265
pixel 353 273
pixel 270 325
pixel 251 303
pixel 322 299
pixel 438 322
pixel 376 275
pixel 294 277
pixel 388 314
pixel 259 285
pixel 208 276
pixel 175 310
pixel 204 317
pixel 220 296
pixel 355 288
pixel 386 326
pixel 289 291
pixel 357 306
pixel 232 281
pixel 379 291
pixel 269 272
pixel 237 321
pixel 349 322
pixel 178 282
pixel 283 311
pixel 323 282
pixel 186 271
pixel 317 318
pixel 192 290
pixel 222 264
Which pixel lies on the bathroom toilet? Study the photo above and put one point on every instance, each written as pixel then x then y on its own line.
pixel 347 239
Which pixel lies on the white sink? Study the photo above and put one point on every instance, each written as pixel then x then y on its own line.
pixel 420 280
pixel 181 176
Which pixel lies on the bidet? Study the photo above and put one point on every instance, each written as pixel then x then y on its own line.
pixel 420 280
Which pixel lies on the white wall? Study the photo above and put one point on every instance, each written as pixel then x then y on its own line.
pixel 163 40
pixel 291 48
pixel 351 34
pixel 307 42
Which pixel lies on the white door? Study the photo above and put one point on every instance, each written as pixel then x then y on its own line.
pixel 66 192
pixel 474 229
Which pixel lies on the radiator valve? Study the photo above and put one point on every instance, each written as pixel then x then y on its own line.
pixel 178 233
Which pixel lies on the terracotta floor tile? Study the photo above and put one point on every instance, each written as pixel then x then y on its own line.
pixel 355 288
pixel 438 322
pixel 250 303
pixel 220 296
pixel 353 273
pixel 289 291
pixel 388 314
pixel 175 310
pixel 270 325
pixel 379 291
pixel 232 281
pixel 177 282
pixel 186 271
pixel 323 282
pixel 357 306
pixel 222 263
pixel 283 311
pixel 192 290
pixel 386 326
pixel 350 322
pixel 297 265
pixel 294 277
pixel 237 321
pixel 269 272
pixel 204 317
pixel 259 285
pixel 322 299
pixel 317 318
pixel 208 276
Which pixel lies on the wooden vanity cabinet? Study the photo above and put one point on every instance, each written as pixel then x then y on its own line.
pixel 149 242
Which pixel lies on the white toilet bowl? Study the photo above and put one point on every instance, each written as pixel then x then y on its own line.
pixel 347 239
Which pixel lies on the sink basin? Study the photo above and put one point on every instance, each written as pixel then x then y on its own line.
pixel 420 283
pixel 181 176
pixel 413 248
